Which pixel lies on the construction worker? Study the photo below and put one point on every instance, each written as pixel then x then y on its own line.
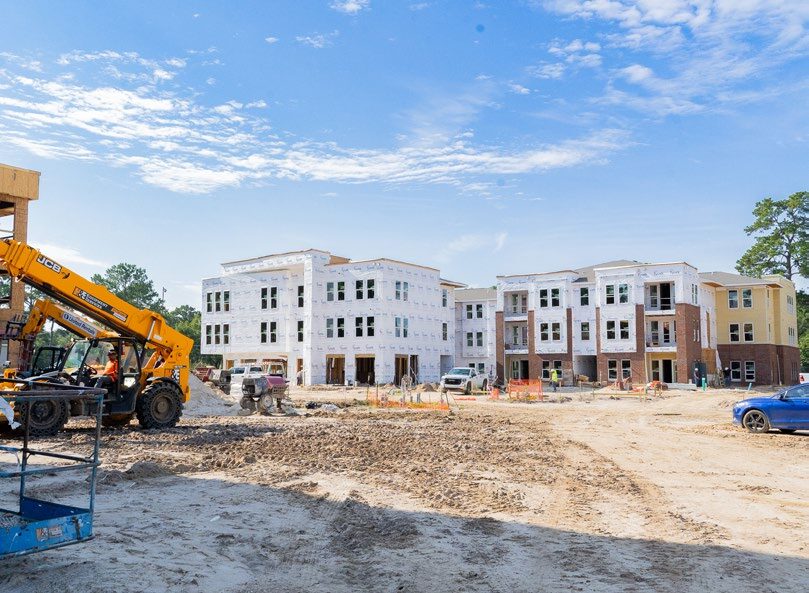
pixel 109 376
pixel 554 379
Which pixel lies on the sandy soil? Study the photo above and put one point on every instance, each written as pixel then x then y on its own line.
pixel 606 495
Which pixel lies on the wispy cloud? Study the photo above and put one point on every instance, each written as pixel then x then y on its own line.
pixel 271 40
pixel 712 51
pixel 350 6
pixel 470 243
pixel 518 89
pixel 173 141
pixel 68 255
pixel 317 40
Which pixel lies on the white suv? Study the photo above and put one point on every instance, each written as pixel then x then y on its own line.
pixel 464 379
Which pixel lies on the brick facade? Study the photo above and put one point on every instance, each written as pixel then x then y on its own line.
pixel 773 363
pixel 500 346
pixel 689 351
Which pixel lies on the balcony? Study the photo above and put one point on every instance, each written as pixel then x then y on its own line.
pixel 518 347
pixel 515 306
pixel 519 313
pixel 659 299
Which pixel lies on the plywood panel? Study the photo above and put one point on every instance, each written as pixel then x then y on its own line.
pixel 20 183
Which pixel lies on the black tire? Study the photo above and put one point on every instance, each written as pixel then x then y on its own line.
pixel 116 420
pixel 48 417
pixel 756 421
pixel 159 406
pixel 787 430
pixel 468 389
pixel 247 403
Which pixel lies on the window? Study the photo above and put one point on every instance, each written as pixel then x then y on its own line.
pixel 263 298
pixel 358 327
pixel 444 331
pixel 329 328
pixel 548 366
pixel 612 370
pixel 444 296
pixel 481 368
pixel 543 332
pixel 479 311
pixel 469 311
pixel 626 369
pixel 543 297
pixel 405 288
pixel 584 297
pixel 273 332
pixel 226 300
pixel 470 339
pixel 341 291
pixel 585 331
pixel 479 339
pixel 300 331
pixel 610 330
pixel 370 290
pixel 556 331
pixel 734 332
pixel 623 293
pixel 398 290
pixel 748 332
pixel 694 294
pixel 610 288
pixel 263 332
pixel 735 370
pixel 274 297
pixel 341 327
pixel 226 333
pixel 624 325
pixel 750 371
pixel 209 302
pixel 329 291
pixel 747 298
pixel 404 325
pixel 300 296
pixel 555 297
pixel 216 334
pixel 733 299
pixel 398 327
pixel 360 289
pixel 208 334
pixel 217 299
pixel 369 327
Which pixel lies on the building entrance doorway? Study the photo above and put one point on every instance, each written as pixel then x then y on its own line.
pixel 336 369
pixel 664 370
pixel 406 366
pixel 365 370
pixel 519 369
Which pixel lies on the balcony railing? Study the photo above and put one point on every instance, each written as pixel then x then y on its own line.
pixel 516 345
pixel 660 304
pixel 661 343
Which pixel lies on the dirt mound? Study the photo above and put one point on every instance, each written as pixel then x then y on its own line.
pixel 207 401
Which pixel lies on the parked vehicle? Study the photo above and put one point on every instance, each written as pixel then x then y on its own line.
pixel 258 393
pixel 237 375
pixel 464 379
pixel 220 378
pixel 787 410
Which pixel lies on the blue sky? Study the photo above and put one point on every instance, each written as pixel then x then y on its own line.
pixel 480 138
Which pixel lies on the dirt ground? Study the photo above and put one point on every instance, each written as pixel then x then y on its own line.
pixel 607 495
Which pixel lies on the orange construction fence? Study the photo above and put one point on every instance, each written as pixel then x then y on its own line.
pixel 525 390
pixel 396 398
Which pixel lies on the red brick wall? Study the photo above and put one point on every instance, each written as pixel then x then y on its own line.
pixel 689 351
pixel 790 359
pixel 764 356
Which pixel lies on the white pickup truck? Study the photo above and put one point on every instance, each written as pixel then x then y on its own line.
pixel 464 379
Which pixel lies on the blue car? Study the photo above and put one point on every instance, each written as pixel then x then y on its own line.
pixel 787 410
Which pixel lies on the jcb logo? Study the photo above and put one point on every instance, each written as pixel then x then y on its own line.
pixel 49 263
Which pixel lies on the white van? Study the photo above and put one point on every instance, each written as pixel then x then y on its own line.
pixel 237 375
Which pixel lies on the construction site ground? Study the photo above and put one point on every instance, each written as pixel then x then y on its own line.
pixel 604 495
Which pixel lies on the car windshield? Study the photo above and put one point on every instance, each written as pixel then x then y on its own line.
pixel 460 371
pixel 237 371
pixel 95 356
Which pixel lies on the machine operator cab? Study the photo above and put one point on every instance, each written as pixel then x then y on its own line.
pixel 91 363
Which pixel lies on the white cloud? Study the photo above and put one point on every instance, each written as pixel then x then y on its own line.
pixel 350 6
pixel 171 140
pixel 317 40
pixel 470 243
pixel 271 40
pixel 547 71
pixel 518 89
pixel 419 6
pixel 68 255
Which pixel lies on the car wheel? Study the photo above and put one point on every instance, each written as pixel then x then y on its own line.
pixel 468 389
pixel 756 421
pixel 485 386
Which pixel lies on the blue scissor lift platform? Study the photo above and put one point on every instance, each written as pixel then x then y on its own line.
pixel 38 525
